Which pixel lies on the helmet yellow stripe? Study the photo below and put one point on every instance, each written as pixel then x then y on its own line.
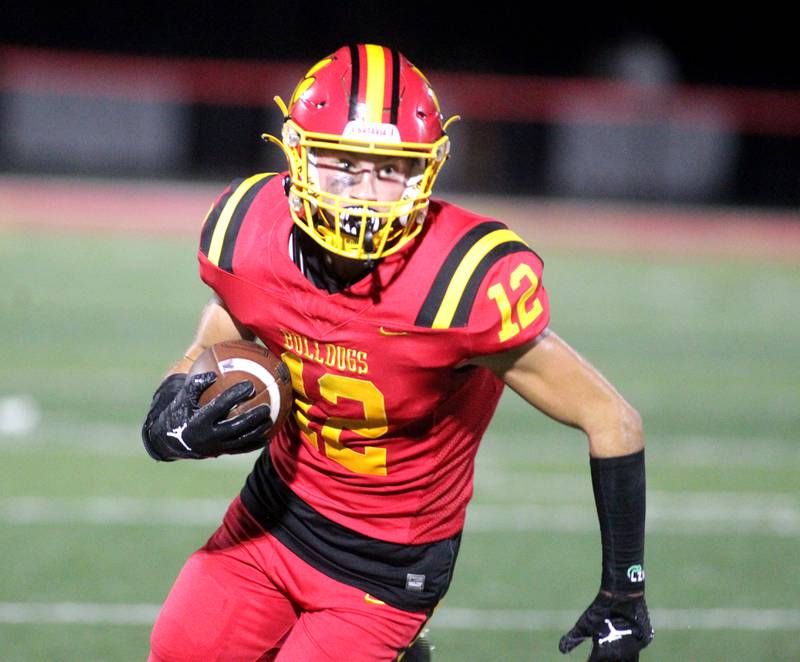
pixel 466 267
pixel 217 239
pixel 376 83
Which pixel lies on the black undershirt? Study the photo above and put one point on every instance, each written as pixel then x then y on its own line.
pixel 309 257
pixel 409 577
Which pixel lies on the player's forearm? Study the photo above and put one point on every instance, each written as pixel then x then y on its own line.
pixel 616 446
pixel 216 325
pixel 184 365
pixel 620 495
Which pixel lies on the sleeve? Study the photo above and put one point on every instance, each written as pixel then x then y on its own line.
pixel 224 256
pixel 224 220
pixel 212 217
pixel 489 290
pixel 511 306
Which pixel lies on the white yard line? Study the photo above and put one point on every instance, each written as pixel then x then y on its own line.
pixel 699 519
pixel 497 454
pixel 112 510
pixel 680 513
pixel 454 618
pixel 496 486
pixel 77 613
pixel 664 619
pixel 502 452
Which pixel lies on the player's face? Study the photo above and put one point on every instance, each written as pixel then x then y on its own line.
pixel 362 176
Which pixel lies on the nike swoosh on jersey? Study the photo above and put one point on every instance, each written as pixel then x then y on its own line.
pixel 373 601
pixel 387 332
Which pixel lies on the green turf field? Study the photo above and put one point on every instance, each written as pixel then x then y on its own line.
pixel 709 352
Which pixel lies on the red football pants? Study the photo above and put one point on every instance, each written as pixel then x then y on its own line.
pixel 244 596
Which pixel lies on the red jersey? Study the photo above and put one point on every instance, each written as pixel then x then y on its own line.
pixel 388 412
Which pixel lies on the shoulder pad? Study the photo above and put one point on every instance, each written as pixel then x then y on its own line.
pixel 449 301
pixel 224 219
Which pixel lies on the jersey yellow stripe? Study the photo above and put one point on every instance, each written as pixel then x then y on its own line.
pixel 376 82
pixel 468 264
pixel 217 239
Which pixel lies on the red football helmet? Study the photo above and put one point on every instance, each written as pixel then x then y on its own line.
pixel 365 99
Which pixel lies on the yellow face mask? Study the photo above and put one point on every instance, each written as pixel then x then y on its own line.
pixel 351 227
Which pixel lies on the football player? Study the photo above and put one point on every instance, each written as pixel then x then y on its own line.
pixel 400 317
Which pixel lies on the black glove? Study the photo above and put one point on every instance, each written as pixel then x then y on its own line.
pixel 619 628
pixel 177 427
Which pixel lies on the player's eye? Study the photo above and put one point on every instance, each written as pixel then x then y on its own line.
pixel 391 171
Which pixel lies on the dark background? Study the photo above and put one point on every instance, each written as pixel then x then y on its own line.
pixel 754 47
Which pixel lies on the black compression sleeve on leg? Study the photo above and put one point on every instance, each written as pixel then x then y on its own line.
pixel 619 494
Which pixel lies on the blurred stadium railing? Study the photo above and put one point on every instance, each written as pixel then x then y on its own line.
pixel 632 139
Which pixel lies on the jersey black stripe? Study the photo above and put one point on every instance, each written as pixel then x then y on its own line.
pixel 464 308
pixel 229 242
pixel 395 86
pixel 354 75
pixel 213 217
pixel 434 299
pixel 377 567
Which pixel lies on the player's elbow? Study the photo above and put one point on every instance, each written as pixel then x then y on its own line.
pixel 633 428
pixel 617 430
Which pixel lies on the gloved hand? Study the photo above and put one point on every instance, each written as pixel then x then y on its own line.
pixel 618 625
pixel 177 427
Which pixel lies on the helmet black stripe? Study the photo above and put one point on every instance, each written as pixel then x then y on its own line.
pixel 354 80
pixel 395 86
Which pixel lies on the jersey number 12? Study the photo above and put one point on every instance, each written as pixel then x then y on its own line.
pixel 525 316
pixel 332 387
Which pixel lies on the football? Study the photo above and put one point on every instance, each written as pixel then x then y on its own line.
pixel 234 361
